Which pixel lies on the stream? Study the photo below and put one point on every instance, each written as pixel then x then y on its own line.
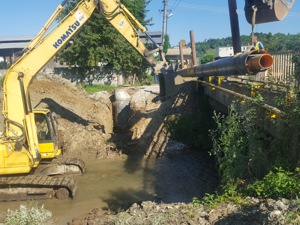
pixel 108 185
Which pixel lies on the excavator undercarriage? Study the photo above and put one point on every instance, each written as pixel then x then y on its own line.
pixel 32 187
pixel 49 180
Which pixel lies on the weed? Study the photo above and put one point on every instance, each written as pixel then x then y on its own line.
pixel 97 88
pixel 279 183
pixel 33 215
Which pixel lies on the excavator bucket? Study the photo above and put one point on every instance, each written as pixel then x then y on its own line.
pixel 266 10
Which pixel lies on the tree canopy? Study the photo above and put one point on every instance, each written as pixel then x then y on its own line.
pixel 99 42
pixel 273 43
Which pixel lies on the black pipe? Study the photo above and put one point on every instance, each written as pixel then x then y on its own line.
pixel 247 63
pixel 235 29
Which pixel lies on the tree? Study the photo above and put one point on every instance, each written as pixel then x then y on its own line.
pixel 166 43
pixel 98 41
pixel 273 43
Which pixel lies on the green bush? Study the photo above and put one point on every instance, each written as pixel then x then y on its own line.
pixel 279 183
pixel 239 145
pixel 193 129
pixel 246 153
pixel 96 88
pixel 25 215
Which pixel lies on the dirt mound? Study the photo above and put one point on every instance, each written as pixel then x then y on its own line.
pixel 85 122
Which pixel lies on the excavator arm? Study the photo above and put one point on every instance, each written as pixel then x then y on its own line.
pixel 124 22
pixel 19 146
pixel 19 119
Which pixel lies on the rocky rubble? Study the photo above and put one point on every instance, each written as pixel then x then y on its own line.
pixel 254 212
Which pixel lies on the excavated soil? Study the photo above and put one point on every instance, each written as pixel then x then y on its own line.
pixel 86 121
pixel 85 124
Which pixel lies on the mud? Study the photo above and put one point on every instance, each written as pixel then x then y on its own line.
pixel 108 186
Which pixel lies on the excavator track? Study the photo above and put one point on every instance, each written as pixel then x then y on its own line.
pixel 71 161
pixel 61 166
pixel 32 187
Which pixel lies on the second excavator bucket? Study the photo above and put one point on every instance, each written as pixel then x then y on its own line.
pixel 267 10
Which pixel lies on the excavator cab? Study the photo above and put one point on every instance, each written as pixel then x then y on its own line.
pixel 46 127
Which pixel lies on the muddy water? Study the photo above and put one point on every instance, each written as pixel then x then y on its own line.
pixel 114 184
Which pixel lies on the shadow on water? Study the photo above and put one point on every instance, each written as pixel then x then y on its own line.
pixel 172 177
pixel 123 198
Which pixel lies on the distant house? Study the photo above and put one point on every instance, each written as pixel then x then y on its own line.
pixel 11 47
pixel 174 53
pixel 156 36
pixel 228 50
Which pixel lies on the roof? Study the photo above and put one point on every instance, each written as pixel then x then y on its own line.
pixel 15 38
pixel 9 45
pixel 155 35
pixel 173 53
pixel 20 45
pixel 13 44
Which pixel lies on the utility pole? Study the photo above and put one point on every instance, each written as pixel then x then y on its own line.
pixel 164 28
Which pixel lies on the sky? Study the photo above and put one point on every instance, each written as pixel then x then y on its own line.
pixel 206 18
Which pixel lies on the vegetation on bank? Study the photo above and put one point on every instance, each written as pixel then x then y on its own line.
pixel 97 87
pixel 253 162
pixel 250 161
pixel 33 214
pixel 193 130
pixel 93 88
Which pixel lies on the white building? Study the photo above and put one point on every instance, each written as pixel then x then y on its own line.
pixel 228 51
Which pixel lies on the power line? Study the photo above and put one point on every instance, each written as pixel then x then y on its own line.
pixel 175 4
pixel 199 7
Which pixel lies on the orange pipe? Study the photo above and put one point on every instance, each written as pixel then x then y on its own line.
pixel 263 61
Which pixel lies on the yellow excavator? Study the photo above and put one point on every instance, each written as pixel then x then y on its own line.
pixel 30 135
